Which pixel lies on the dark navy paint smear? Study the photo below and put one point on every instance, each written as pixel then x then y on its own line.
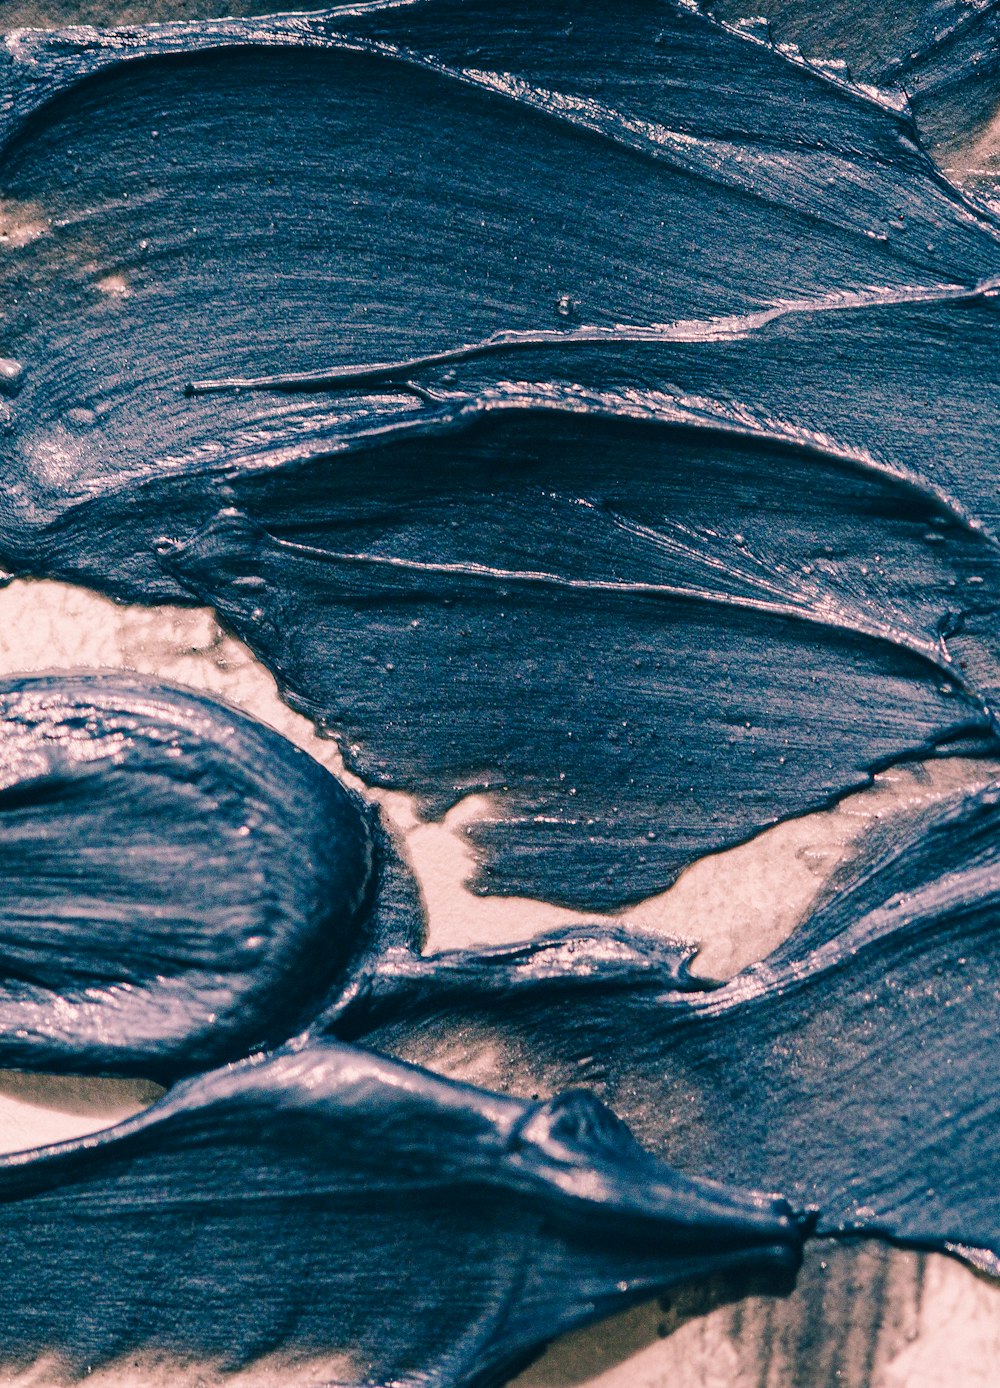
pixel 911 388
pixel 855 1069
pixel 332 1203
pixel 175 252
pixel 944 54
pixel 641 661
pixel 180 884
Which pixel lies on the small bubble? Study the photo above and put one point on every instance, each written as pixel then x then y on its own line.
pixel 115 286
pixel 11 376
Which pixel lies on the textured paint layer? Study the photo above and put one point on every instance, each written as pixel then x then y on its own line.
pixel 944 54
pixel 854 1069
pixel 640 664
pixel 594 410
pixel 330 1203
pixel 180 884
pixel 525 475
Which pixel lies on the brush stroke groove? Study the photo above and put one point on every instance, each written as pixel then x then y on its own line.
pixel 793 582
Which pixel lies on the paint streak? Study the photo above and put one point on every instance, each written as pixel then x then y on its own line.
pixel 327 1203
pixel 413 374
pixel 943 54
pixel 767 663
pixel 852 1069
pixel 180 884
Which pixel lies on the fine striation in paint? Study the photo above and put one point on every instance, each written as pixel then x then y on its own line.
pixel 854 1069
pixel 597 411
pixel 180 884
pixel 942 54
pixel 526 475
pixel 329 1203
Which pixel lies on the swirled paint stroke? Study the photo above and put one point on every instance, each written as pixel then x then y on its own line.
pixel 180 884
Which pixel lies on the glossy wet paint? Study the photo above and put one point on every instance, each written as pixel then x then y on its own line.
pixel 640 475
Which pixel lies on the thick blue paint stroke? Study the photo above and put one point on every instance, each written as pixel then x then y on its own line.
pixel 180 883
pixel 328 1203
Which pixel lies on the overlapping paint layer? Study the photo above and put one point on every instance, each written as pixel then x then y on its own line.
pixel 594 410
pixel 854 1069
pixel 637 414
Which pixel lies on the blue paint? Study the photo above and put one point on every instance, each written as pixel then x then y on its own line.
pixel 378 418
pixel 641 475
pixel 180 884
pixel 329 1203
pixel 855 1069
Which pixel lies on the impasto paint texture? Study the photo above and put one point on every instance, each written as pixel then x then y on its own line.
pixel 590 407
pixel 328 1201
pixel 180 884
pixel 852 1069
pixel 535 450
pixel 944 55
